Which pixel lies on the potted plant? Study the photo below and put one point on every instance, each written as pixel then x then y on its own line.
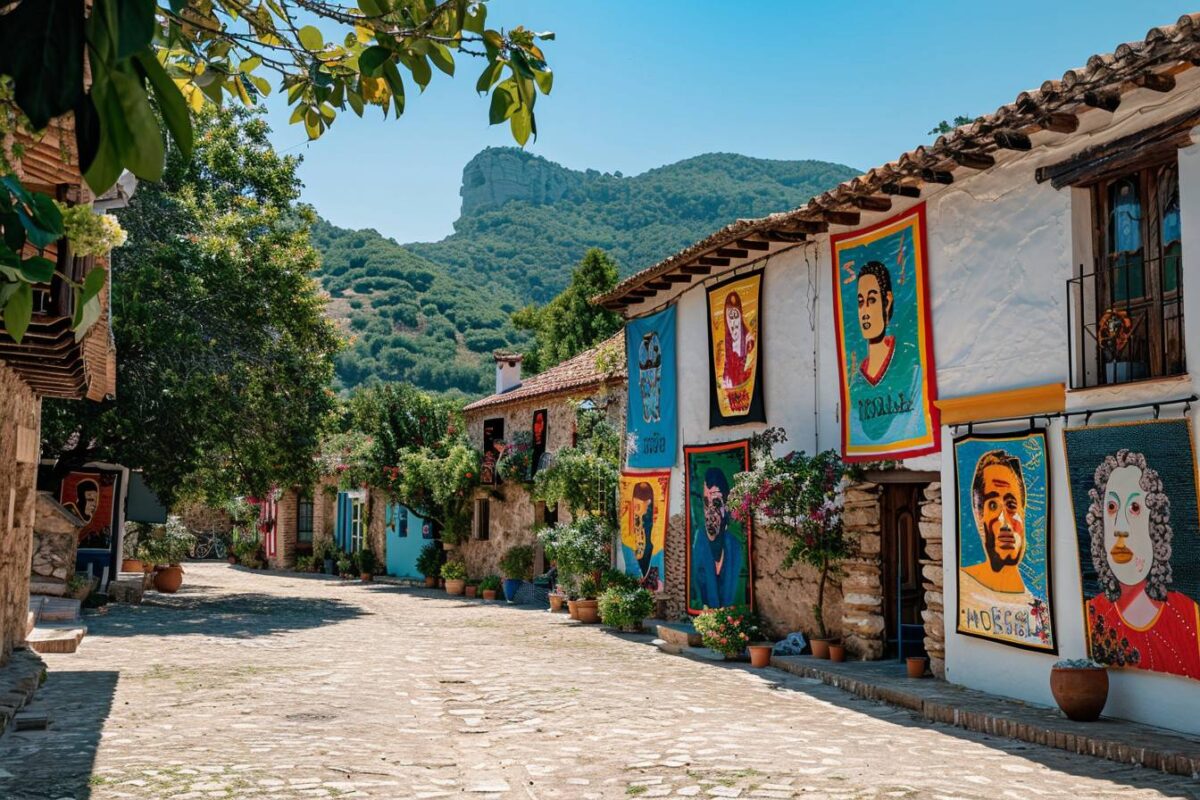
pixel 79 587
pixel 129 546
pixel 579 549
pixel 323 556
pixel 1080 687
pixel 429 563
pixel 915 666
pixel 472 588
pixel 366 565
pixel 455 575
pixel 727 630
pixel 167 545
pixel 304 563
pixel 489 586
pixel 517 565
pixel 760 654
pixel 557 600
pixel 345 566
pixel 837 652
pixel 799 497
pixel 587 607
pixel 625 609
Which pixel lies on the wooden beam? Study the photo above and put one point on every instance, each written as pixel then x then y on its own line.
pixel 973 160
pixel 841 217
pixel 1154 82
pixel 677 278
pixel 805 226
pixel 1012 140
pixel 871 203
pixel 642 293
pixel 900 189
pixel 714 262
pixel 753 244
pixel 786 236
pixel 658 286
pixel 696 269
pixel 936 176
pixel 731 252
pixel 1107 99
pixel 1060 122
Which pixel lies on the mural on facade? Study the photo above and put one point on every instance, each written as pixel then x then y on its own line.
pixel 1133 486
pixel 540 429
pixel 719 547
pixel 735 346
pixel 1004 567
pixel 650 423
pixel 493 446
pixel 885 340
pixel 645 506
pixel 89 495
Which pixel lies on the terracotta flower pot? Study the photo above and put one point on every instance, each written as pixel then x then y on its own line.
pixel 1080 692
pixel 131 565
pixel 168 579
pixel 916 666
pixel 455 586
pixel 837 652
pixel 820 648
pixel 587 611
pixel 431 581
pixel 367 577
pixel 760 655
pixel 472 590
pixel 556 602
pixel 573 609
pixel 231 559
pixel 489 594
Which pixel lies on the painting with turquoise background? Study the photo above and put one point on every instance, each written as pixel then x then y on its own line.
pixel 885 340
pixel 1004 578
pixel 651 421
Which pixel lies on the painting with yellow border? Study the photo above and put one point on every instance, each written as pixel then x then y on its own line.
pixel 735 349
pixel 645 504
pixel 885 340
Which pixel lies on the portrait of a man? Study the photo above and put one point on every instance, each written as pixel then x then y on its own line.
pixel 719 546
pixel 1003 532
pixel 644 498
pixel 89 495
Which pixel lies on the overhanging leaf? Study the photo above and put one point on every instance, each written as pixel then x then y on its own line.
pixel 41 47
pixel 371 61
pixel 142 151
pixel 18 311
pixel 170 102
pixel 37 269
pixel 136 23
pixel 311 38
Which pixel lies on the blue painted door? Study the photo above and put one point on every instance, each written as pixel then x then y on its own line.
pixel 345 511
pixel 404 541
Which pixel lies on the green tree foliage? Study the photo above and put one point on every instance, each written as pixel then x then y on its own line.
pixel 570 323
pixel 432 313
pixel 584 476
pixel 225 352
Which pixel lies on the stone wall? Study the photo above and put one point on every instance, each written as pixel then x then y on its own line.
pixel 933 576
pixel 285 531
pixel 201 518
pixel 20 410
pixel 324 511
pixel 863 625
pixel 512 522
pixel 55 539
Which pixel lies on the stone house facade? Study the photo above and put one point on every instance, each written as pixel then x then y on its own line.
pixel 1054 235
pixel 506 514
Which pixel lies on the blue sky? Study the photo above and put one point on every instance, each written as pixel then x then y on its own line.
pixel 642 83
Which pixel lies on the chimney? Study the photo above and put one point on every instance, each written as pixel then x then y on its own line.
pixel 508 371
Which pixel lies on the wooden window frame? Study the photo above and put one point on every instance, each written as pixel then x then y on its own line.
pixel 301 502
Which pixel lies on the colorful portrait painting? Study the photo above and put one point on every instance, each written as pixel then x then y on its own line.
pixel 539 430
pixel 720 549
pixel 650 423
pixel 644 510
pixel 1133 487
pixel 493 446
pixel 885 340
pixel 89 495
pixel 1004 568
pixel 735 350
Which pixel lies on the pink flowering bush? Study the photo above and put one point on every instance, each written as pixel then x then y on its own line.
pixel 800 497
pixel 728 630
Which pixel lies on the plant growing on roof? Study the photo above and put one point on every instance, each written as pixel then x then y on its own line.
pixel 799 497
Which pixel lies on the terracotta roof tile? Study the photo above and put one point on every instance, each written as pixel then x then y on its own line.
pixel 576 373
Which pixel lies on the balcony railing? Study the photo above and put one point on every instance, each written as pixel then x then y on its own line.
pixel 1126 321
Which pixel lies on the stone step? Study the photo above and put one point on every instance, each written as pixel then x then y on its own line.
pixel 59 609
pixel 47 586
pixel 56 639
pixel 30 720
pixel 679 633
pixel 669 648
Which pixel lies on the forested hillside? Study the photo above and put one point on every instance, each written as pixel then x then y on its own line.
pixel 431 313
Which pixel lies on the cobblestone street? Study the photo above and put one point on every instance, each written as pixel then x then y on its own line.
pixel 277 686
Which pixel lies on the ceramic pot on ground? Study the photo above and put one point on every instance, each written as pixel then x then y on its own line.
pixel 367 577
pixel 489 594
pixel 916 666
pixel 168 579
pixel 231 559
pixel 330 567
pixel 573 609
pixel 131 565
pixel 587 611
pixel 837 652
pixel 556 602
pixel 471 590
pixel 455 586
pixel 1080 692
pixel 760 655
pixel 511 587
pixel 820 648
pixel 431 581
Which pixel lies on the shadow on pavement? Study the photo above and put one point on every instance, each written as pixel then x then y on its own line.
pixel 58 762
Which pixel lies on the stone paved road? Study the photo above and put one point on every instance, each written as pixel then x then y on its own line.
pixel 256 685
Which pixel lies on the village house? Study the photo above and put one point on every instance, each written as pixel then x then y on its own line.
pixel 966 323
pixel 538 413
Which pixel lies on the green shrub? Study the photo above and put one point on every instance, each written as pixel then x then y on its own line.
pixel 366 561
pixel 517 562
pixel 429 563
pixel 622 608
pixel 622 581
pixel 454 571
pixel 490 584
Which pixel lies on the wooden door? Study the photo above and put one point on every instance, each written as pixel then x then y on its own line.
pixel 900 572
